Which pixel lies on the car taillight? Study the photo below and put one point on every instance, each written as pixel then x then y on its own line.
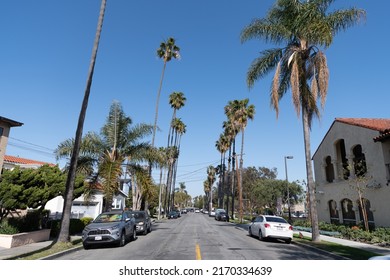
pixel 267 225
pixel 290 228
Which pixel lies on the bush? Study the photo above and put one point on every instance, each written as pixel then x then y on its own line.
pixel 30 222
pixel 76 226
pixel 6 228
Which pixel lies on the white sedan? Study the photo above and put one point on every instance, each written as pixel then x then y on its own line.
pixel 267 226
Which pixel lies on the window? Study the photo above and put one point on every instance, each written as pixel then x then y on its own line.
pixel 329 171
pixel 333 212
pixel 359 161
pixel 349 217
pixel 369 213
pixel 1 131
pixel 342 160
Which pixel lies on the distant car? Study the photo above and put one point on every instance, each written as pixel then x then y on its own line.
pixel 172 215
pixel 196 210
pixel 212 213
pixel 221 215
pixel 267 226
pixel 143 221
pixel 114 227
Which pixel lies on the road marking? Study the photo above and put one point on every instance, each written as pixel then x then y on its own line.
pixel 197 252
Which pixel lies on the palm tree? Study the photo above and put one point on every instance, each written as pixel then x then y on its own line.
pixel 69 187
pixel 119 144
pixel 211 180
pixel 303 26
pixel 239 113
pixel 222 146
pixel 166 52
pixel 177 100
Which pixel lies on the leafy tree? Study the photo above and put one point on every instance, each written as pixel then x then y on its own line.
pixel 33 188
pixel 303 27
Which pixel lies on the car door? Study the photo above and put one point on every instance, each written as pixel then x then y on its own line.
pixel 256 225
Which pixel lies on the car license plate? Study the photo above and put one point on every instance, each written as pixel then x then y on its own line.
pixel 98 238
pixel 279 228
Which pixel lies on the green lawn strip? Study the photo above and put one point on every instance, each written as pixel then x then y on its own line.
pixel 50 250
pixel 341 250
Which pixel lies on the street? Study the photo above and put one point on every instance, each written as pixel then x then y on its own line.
pixel 198 236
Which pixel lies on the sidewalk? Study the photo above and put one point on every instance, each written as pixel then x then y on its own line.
pixel 7 253
pixel 368 247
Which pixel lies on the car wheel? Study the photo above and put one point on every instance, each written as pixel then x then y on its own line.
pixel 288 241
pixel 150 228
pixel 261 237
pixel 250 232
pixel 122 239
pixel 145 231
pixel 134 235
pixel 86 246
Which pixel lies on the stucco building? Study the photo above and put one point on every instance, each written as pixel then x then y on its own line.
pixel 354 158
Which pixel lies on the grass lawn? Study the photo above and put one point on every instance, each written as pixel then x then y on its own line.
pixel 341 250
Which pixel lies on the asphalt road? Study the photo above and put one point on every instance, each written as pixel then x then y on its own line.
pixel 198 236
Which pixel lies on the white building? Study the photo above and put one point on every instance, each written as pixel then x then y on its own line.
pixel 354 146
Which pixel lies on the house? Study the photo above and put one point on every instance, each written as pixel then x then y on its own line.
pixel 80 206
pixel 5 128
pixel 354 159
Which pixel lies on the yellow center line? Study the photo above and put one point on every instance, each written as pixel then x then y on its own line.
pixel 197 252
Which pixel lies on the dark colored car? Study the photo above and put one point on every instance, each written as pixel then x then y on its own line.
pixel 142 221
pixel 172 215
pixel 221 215
pixel 113 227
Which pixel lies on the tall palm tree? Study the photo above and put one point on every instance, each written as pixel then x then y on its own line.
pixel 166 52
pixel 211 180
pixel 69 187
pixel 222 146
pixel 239 112
pixel 303 27
pixel 177 100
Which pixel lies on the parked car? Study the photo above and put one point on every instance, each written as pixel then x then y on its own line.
pixel 267 226
pixel 221 215
pixel 143 221
pixel 172 215
pixel 212 213
pixel 114 227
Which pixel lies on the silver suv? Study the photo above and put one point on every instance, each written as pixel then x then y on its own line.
pixel 114 227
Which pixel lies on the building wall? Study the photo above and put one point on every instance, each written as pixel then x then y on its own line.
pixel 4 133
pixel 376 155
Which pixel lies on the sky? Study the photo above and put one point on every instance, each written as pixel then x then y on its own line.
pixel 46 47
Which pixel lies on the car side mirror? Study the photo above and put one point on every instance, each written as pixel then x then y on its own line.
pixel 253 219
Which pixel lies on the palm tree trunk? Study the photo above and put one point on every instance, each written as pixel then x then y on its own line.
pixel 310 178
pixel 240 173
pixel 68 197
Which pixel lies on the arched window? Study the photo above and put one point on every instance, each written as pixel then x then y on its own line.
pixel 342 160
pixel 329 171
pixel 349 217
pixel 333 212
pixel 370 214
pixel 359 161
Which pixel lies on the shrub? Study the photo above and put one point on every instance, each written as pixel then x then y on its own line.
pixel 6 228
pixel 30 222
pixel 76 227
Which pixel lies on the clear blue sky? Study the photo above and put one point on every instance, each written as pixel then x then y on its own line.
pixel 46 47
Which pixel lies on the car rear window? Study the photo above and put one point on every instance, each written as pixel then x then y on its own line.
pixel 276 220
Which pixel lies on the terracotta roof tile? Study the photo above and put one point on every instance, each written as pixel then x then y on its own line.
pixel 381 125
pixel 19 160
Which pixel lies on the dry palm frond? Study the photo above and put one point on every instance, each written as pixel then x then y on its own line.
pixel 323 77
pixel 295 87
pixel 275 90
pixel 314 87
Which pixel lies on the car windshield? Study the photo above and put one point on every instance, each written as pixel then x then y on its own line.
pixel 276 220
pixel 108 218
pixel 138 215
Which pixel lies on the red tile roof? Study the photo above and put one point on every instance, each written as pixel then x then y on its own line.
pixel 381 125
pixel 19 160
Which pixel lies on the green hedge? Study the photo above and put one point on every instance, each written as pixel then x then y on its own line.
pixel 76 226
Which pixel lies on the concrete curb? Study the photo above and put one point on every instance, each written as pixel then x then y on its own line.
pixel 62 253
